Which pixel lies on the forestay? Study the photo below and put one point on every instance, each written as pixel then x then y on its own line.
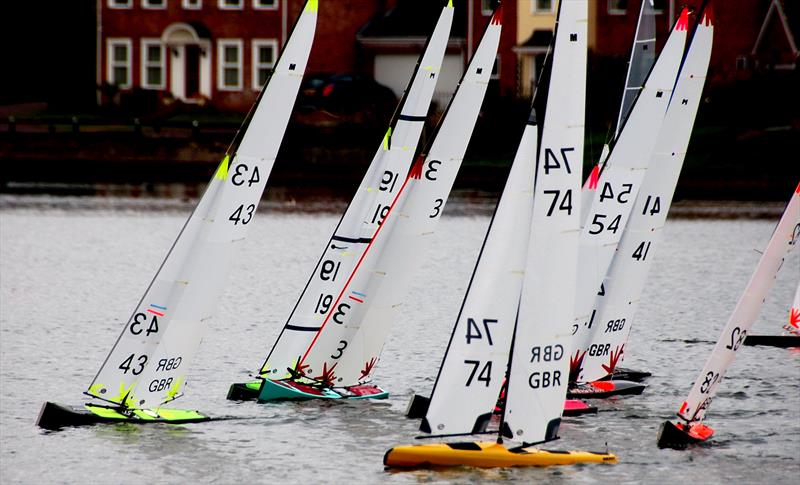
pixel 643 54
pixel 149 361
pixel 323 300
pixel 539 362
pixel 784 238
pixel 614 311
pixel 399 250
pixel 620 183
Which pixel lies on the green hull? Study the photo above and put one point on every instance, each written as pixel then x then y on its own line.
pixel 287 390
pixel 57 416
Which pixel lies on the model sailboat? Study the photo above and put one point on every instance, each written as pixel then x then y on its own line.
pixel 514 322
pixel 615 308
pixel 619 185
pixel 297 367
pixel 693 410
pixel 148 365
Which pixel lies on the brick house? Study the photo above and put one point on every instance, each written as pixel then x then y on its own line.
pixel 216 51
pixel 221 51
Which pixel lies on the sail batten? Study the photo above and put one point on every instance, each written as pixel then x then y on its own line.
pixel 321 300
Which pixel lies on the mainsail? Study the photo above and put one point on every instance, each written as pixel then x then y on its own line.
pixel 537 375
pixel 476 360
pixel 785 237
pixel 398 250
pixel 620 182
pixel 148 364
pixel 323 300
pixel 643 55
pixel 614 311
pixel 793 325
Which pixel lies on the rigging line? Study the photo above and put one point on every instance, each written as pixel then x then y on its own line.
pixel 355 269
pixel 471 280
pixel 392 123
pixel 155 276
pixel 504 403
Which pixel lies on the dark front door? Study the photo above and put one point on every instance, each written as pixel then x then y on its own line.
pixel 192 71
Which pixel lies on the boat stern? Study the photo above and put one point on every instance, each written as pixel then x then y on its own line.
pixel 679 436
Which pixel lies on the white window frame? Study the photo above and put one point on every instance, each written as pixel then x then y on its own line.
pixel 149 6
pixel 144 44
pixel 615 11
pixel 188 6
pixel 111 42
pixel 222 6
pixel 536 9
pixel 256 64
pixel 117 5
pixel 221 65
pixel 258 6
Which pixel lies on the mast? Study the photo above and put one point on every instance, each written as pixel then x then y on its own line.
pixel 537 376
pixel 604 344
pixel 147 364
pixel 323 298
pixel 619 185
pixel 748 307
pixel 399 249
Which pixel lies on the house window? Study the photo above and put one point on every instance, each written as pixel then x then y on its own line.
pixel 486 7
pixel 192 4
pixel 120 3
pixel 542 6
pixel 230 4
pixel 265 4
pixel 496 68
pixel 154 4
pixel 265 53
pixel 118 66
pixel 153 64
pixel 229 62
pixel 617 7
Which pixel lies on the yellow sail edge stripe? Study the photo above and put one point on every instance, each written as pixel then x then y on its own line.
pixel 313 5
pixel 222 171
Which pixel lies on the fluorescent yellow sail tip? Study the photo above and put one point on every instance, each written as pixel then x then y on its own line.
pixel 387 138
pixel 313 5
pixel 222 171
pixel 450 4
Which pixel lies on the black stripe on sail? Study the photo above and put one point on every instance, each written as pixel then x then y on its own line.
pixel 358 240
pixel 302 329
pixel 411 118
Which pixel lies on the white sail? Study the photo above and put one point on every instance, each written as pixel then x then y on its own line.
pixel 475 362
pixel 148 364
pixel 621 181
pixel 398 250
pixel 537 381
pixel 323 300
pixel 643 55
pixel 784 238
pixel 614 310
pixel 793 325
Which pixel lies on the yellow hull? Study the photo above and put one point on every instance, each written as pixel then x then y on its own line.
pixel 486 454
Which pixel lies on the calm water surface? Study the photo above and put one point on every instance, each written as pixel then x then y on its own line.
pixel 71 270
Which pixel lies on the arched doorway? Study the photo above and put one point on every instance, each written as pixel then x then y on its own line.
pixel 189 48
